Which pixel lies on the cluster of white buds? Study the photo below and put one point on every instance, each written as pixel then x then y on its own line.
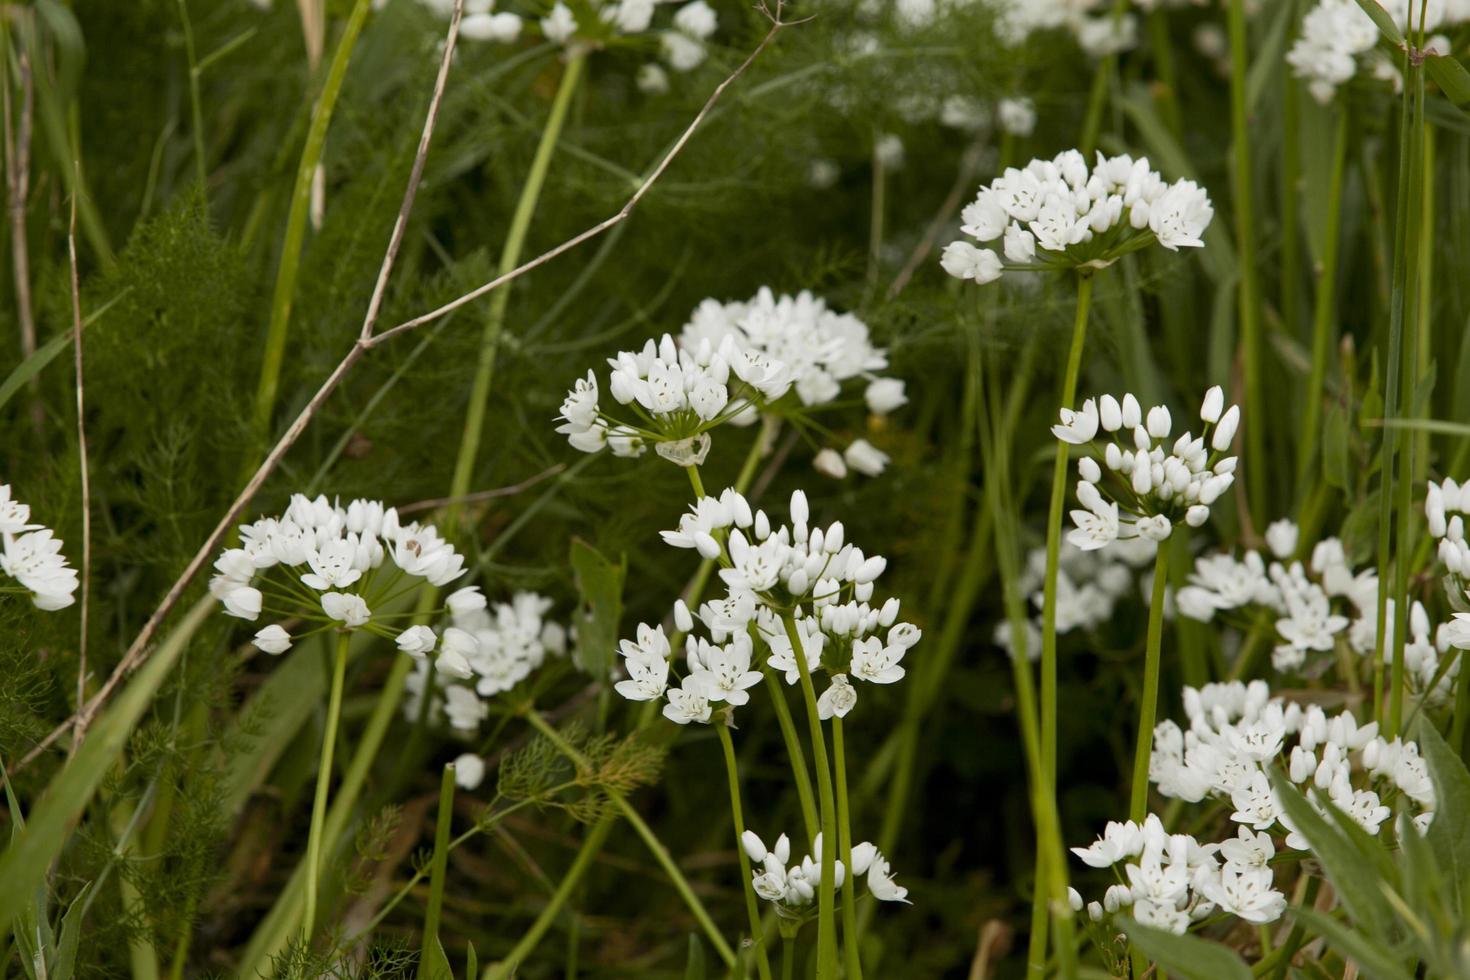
pixel 792 890
pixel 1238 732
pixel 1059 215
pixel 1157 484
pixel 820 349
pixel 678 395
pixel 1339 39
pixel 1172 881
pixel 1090 584
pixel 1445 507
pixel 779 580
pixel 484 651
pixel 325 564
pixel 32 556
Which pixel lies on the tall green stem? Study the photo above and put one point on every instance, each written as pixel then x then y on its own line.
pixel 826 892
pixel 196 113
pixel 433 952
pixel 650 839
pixel 1322 320
pixel 323 782
pixel 1065 399
pixel 1249 311
pixel 510 257
pixel 852 961
pixel 1149 702
pixel 311 156
pixel 732 770
pixel 1050 900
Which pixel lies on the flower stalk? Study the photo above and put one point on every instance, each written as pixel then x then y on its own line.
pixel 323 783
pixel 732 770
pixel 1149 700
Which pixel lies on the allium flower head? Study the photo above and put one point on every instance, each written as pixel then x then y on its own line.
pixel 812 576
pixel 346 559
pixel 820 350
pixel 32 556
pixel 1339 39
pixel 792 890
pixel 1154 481
pixel 1059 215
pixel 485 649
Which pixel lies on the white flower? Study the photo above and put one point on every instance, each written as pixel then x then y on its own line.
pixel 876 663
pixel 829 462
pixel 866 458
pixel 347 608
pixel 1016 116
pixel 723 673
pixel 1246 893
pixel 838 699
pixel 687 703
pixel 502 28
pixel 243 602
pixel 34 559
pixel 1077 428
pixel 272 639
pixel 883 395
pixel 964 261
pixel 469 771
pixel 683 53
pixel 417 641
pixel 880 882
pixel 696 19
pixel 652 79
pixel 559 25
pixel 1181 215
pixel 1281 537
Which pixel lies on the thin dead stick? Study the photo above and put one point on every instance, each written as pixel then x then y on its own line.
pixel 139 647
pixel 969 167
pixel 776 26
pixel 480 495
pixel 76 320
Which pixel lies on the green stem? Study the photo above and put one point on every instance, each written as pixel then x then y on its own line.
pixel 797 756
pixel 1050 900
pixel 1291 172
pixel 850 955
pixel 510 257
pixel 1249 312
pixel 1149 704
pixel 285 288
pixel 591 846
pixel 1065 399
pixel 323 783
pixel 655 846
pixel 1323 325
pixel 788 957
pixel 732 770
pixel 433 951
pixel 195 111
pixel 826 891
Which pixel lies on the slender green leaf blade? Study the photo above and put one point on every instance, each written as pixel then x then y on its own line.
pixel 1187 957
pixel 601 584
pixel 1385 23
pixel 1451 77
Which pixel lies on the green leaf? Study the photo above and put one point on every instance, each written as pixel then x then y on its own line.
pixel 695 969
pixel 1448 836
pixel 1375 959
pixel 1451 77
pixel 71 934
pixel 471 962
pixel 1385 23
pixel 1188 957
pixel 24 864
pixel 31 366
pixel 1351 872
pixel 601 584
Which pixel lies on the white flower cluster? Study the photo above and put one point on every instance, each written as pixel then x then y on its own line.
pixel 1337 33
pixel 1445 507
pixel 1157 486
pixel 818 348
pixel 324 563
pixel 1237 732
pixel 678 395
pixel 32 556
pixel 1171 881
pixel 1089 586
pixel 1057 214
pixel 1319 603
pixel 486 650
pixel 481 22
pixel 792 890
pixel 822 579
